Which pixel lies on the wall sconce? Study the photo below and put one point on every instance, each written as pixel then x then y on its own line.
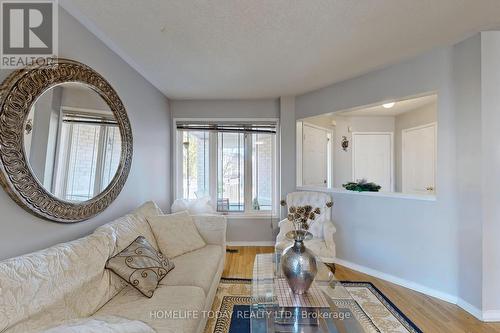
pixel 344 143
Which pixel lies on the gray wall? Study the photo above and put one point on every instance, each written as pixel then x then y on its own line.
pixel 490 101
pixel 250 108
pixel 148 111
pixel 467 86
pixel 394 235
pixel 42 149
pixel 448 247
pixel 238 229
pixel 287 147
pixel 82 97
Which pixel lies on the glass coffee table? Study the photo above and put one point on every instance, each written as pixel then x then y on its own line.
pixel 342 314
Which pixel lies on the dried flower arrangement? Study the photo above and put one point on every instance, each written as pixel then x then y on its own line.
pixel 303 217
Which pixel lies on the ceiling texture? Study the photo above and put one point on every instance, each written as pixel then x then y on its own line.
pixel 268 48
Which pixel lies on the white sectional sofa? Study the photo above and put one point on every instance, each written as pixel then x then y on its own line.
pixel 68 284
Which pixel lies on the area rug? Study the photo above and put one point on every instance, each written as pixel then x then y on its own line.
pixel 372 309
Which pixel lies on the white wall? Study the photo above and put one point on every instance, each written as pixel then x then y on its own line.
pixel 149 178
pixel 398 236
pixel 241 230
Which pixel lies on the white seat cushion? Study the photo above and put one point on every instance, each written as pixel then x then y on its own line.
pixel 196 268
pixel 105 324
pixel 158 311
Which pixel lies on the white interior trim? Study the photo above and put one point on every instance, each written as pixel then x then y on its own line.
pixel 399 281
pixel 391 136
pixel 486 316
pixel 256 243
pixel 491 316
pixel 470 308
pixel 300 151
pixel 395 195
pixel 404 134
pixel 253 216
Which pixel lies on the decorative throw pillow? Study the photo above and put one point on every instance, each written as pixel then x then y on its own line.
pixel 141 265
pixel 176 234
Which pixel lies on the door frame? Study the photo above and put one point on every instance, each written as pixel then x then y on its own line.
pixel 391 135
pixel 403 152
pixel 329 152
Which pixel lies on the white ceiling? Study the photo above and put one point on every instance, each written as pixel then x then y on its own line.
pixel 399 107
pixel 262 48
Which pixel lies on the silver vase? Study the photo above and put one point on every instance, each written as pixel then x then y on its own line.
pixel 298 264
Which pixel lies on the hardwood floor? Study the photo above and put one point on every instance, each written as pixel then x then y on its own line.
pixel 428 313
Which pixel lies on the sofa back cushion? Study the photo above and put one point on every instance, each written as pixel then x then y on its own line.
pixel 124 231
pixel 176 234
pixel 68 280
pixel 62 282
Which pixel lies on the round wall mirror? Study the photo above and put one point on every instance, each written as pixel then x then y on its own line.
pixel 72 142
pixel 65 141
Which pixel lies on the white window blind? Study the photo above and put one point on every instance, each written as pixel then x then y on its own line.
pixel 232 162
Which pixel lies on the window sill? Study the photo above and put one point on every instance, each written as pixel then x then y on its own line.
pixel 395 195
pixel 248 216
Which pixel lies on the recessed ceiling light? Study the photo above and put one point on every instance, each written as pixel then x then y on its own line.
pixel 388 105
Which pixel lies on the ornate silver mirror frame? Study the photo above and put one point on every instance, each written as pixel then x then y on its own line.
pixel 17 95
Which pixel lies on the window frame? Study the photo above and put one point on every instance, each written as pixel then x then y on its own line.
pixel 213 167
pixel 62 153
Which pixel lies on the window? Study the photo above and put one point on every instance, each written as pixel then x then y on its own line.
pixel 235 168
pixel 262 171
pixel 231 172
pixel 195 164
pixel 89 156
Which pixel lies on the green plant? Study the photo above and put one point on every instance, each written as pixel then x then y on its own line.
pixel 362 186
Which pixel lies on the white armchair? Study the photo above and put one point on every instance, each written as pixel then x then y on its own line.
pixel 322 229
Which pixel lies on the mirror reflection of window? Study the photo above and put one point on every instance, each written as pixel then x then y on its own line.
pixel 73 144
pixel 393 145
pixel 89 155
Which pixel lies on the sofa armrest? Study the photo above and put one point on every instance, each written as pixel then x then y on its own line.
pixel 285 226
pixel 212 228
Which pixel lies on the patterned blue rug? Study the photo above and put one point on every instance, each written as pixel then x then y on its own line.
pixel 369 310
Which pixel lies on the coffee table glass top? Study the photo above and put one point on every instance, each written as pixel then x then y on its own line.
pixel 266 316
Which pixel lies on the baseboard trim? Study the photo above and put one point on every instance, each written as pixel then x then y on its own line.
pixel 257 243
pixel 491 315
pixel 466 306
pixel 485 316
pixel 399 281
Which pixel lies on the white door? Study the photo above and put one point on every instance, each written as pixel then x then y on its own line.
pixel 419 159
pixel 372 158
pixel 314 156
